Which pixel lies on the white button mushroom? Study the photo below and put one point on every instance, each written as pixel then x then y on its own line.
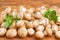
pixel 20 15
pixel 40 8
pixel 40 28
pixel 2 31
pixel 57 34
pixel 27 16
pixel 49 31
pixel 20 23
pixel 3 15
pixel 31 31
pixel 8 9
pixel 35 23
pixel 39 34
pixel 43 9
pixel 38 15
pixel 29 24
pixel 22 32
pixel 22 9
pixel 11 33
pixel 30 10
pixel 44 21
pixel 54 28
pixel 14 13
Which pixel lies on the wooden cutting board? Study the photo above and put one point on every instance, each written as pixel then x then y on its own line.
pixel 33 3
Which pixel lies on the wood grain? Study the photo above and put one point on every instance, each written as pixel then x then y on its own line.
pixel 33 3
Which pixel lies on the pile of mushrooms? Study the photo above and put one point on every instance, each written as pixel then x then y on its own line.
pixel 31 22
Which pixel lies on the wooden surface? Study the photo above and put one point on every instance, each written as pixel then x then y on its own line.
pixel 34 3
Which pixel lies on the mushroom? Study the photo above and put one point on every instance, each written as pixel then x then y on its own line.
pixel 2 16
pixel 22 32
pixel 44 21
pixel 31 31
pixel 30 10
pixel 27 16
pixel 11 33
pixel 2 31
pixel 20 23
pixel 40 28
pixel 36 23
pixel 57 34
pixel 38 15
pixel 14 13
pixel 39 34
pixel 8 9
pixel 49 31
pixel 40 8
pixel 54 28
pixel 43 9
pixel 20 15
pixel 29 24
pixel 22 9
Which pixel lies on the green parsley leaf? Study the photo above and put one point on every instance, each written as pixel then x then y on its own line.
pixel 9 17
pixel 51 15
pixel 17 19
pixel 8 21
pixel 6 24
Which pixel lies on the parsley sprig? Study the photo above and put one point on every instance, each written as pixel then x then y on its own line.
pixel 9 21
pixel 51 15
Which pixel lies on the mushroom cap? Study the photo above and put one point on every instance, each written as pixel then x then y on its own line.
pixel 11 33
pixel 22 32
pixel 40 28
pixel 57 34
pixel 20 23
pixel 2 31
pixel 39 34
pixel 31 31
